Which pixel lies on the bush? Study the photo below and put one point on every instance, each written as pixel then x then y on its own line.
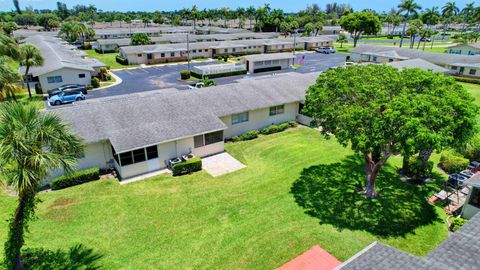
pixel 249 135
pixel 185 74
pixel 456 223
pixel 218 75
pixel 121 60
pixel 293 123
pixel 472 149
pixel 189 166
pixel 467 80
pixel 416 169
pixel 275 128
pixel 75 178
pixel 107 77
pixel 38 89
pixel 451 161
pixel 95 82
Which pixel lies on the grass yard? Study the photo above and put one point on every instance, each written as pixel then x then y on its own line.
pixel 298 190
pixel 36 99
pixel 474 90
pixel 108 59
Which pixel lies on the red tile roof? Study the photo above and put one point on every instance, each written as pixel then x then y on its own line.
pixel 313 259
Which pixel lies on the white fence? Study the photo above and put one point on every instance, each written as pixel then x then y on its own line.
pixel 220 68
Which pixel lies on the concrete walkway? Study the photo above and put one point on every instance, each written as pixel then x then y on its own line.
pixel 144 176
pixel 221 164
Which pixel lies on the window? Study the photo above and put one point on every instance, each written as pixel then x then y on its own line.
pixel 54 79
pixel 225 50
pixel 472 71
pixel 374 59
pixel 152 152
pixel 81 75
pixel 172 54
pixel 194 51
pixel 198 141
pixel 138 155
pixel 162 55
pixel 277 110
pixel 454 67
pixel 213 137
pixel 126 158
pixel 234 50
pixel 149 56
pixel 200 50
pixel 239 118
pixel 475 197
pixel 268 62
pixel 139 55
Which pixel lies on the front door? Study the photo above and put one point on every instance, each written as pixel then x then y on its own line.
pixel 462 69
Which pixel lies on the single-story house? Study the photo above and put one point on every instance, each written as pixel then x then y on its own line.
pixel 418 63
pixel 459 251
pixel 161 53
pixel 266 62
pixel 465 48
pixel 472 204
pixel 135 135
pixel 127 32
pixel 464 65
pixel 62 64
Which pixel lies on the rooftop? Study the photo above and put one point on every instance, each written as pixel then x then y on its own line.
pixel 268 56
pixel 418 63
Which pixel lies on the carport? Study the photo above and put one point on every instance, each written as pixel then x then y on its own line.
pixel 268 62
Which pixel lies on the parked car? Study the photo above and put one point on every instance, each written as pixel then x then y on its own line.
pixel 456 180
pixel 67 96
pixel 325 50
pixel 65 87
pixel 426 39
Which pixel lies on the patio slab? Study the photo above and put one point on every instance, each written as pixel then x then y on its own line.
pixel 221 164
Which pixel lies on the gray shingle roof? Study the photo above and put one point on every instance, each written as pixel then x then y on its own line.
pixel 418 63
pixel 436 58
pixel 143 119
pixel 57 55
pixel 475 45
pixel 459 251
pixel 269 56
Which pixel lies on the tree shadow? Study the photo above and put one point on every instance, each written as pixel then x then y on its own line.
pixel 77 257
pixel 330 193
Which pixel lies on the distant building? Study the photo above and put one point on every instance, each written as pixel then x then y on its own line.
pixel 465 48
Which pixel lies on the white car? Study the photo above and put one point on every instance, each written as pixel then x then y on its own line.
pixel 325 50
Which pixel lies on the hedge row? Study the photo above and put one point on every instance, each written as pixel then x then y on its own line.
pixel 451 162
pixel 278 128
pixel 218 75
pixel 249 135
pixel 185 74
pixel 121 60
pixel 467 80
pixel 189 166
pixel 75 178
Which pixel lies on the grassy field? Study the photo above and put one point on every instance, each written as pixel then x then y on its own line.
pixel 37 99
pixel 108 59
pixel 474 89
pixel 298 190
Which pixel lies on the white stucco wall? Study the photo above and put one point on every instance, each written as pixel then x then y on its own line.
pixel 69 76
pixel 259 119
pixel 463 49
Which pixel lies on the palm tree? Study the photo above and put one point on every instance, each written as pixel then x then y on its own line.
pixel 449 11
pixel 409 7
pixel 194 15
pixel 31 56
pixel 250 12
pixel 467 14
pixel 342 38
pixel 276 18
pixel 9 79
pixel 17 6
pixel 225 13
pixel 32 144
pixel 9 47
pixel 260 17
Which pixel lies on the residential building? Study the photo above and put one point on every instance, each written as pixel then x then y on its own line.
pixel 462 65
pixel 161 53
pixel 418 63
pixel 63 64
pixel 267 62
pixel 135 135
pixel 472 203
pixel 459 251
pixel 127 32
pixel 465 48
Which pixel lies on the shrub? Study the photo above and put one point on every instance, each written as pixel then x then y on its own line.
pixel 249 135
pixel 456 223
pixel 451 161
pixel 270 130
pixel 283 126
pixel 103 70
pixel 75 178
pixel 293 123
pixel 121 60
pixel 95 82
pixel 467 80
pixel 416 169
pixel 107 77
pixel 189 166
pixel 472 149
pixel 38 89
pixel 185 74
pixel 218 75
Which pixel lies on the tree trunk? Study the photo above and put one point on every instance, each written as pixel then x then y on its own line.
pixel 403 31
pixel 405 163
pixel 424 157
pixel 372 168
pixel 419 41
pixel 17 229
pixel 341 44
pixel 28 82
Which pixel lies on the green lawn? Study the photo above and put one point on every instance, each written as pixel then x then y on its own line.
pixel 473 89
pixel 298 190
pixel 108 59
pixel 36 99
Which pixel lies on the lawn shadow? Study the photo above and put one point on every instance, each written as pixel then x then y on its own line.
pixel 77 257
pixel 330 193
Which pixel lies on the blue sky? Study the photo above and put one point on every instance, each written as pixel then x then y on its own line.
pixel 149 5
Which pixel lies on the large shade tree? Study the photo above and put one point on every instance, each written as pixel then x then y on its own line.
pixel 32 144
pixel 359 23
pixel 371 107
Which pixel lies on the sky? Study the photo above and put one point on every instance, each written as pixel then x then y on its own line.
pixel 167 5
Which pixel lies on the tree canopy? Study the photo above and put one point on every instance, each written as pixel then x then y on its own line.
pixel 359 23
pixel 380 111
pixel 140 39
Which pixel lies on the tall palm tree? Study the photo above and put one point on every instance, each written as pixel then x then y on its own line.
pixel 225 13
pixel 409 7
pixel 17 6
pixel 250 12
pixel 449 11
pixel 9 79
pixel 467 14
pixel 32 144
pixel 31 56
pixel 9 47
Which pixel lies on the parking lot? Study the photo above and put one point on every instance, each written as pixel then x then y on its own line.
pixel 167 76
